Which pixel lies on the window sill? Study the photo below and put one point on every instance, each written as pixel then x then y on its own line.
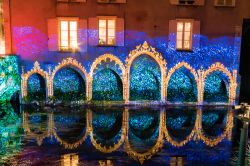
pixel 68 51
pixel 106 45
pixel 184 50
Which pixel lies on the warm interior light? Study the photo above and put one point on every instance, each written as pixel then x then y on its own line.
pixel 68 38
pixel 184 35
pixel 107 31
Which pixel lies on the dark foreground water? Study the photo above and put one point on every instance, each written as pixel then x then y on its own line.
pixel 118 136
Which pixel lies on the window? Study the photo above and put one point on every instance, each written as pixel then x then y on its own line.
pixel 228 3
pixel 111 1
pixel 184 35
pixel 107 31
pixel 188 2
pixel 71 0
pixel 68 35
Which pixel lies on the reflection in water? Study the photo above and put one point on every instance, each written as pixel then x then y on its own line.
pixel 143 133
pixel 106 163
pixel 70 160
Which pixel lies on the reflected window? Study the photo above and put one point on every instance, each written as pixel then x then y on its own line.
pixel 176 161
pixel 184 35
pixel 107 31
pixel 105 163
pixel 70 160
pixel 68 35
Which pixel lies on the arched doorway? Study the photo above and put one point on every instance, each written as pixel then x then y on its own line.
pixel 182 86
pixel 107 78
pixel 69 85
pixel 36 88
pixel 145 79
pixel 107 85
pixel 216 87
pixel 154 58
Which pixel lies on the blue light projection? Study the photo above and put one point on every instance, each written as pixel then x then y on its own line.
pixel 145 79
pixel 144 83
pixel 182 87
pixel 143 129
pixel 69 85
pixel 216 120
pixel 36 87
pixel 70 126
pixel 107 85
pixel 216 88
pixel 107 126
pixel 180 122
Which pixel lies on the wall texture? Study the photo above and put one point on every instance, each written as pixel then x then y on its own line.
pixel 218 39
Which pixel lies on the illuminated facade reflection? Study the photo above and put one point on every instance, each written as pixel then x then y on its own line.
pixel 122 135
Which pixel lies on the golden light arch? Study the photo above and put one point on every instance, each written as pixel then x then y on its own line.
pixel 35 70
pixel 69 62
pixel 145 49
pixel 188 67
pixel 99 60
pixel 232 77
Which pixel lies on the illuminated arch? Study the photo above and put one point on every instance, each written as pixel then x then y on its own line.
pixel 178 66
pixel 231 77
pixel 35 70
pixel 69 62
pixel 148 50
pixel 141 157
pixel 99 60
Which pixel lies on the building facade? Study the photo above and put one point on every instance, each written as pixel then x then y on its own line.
pixel 170 50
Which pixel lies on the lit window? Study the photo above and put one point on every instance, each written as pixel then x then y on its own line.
pixel 68 35
pixel 184 35
pixel 107 31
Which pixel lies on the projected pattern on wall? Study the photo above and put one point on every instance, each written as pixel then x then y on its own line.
pixel 9 77
pixel 69 85
pixel 145 79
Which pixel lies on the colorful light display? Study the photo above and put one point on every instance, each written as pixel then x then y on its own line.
pixel 9 78
pixel 108 130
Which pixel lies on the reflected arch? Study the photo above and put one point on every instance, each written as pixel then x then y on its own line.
pixel 182 84
pixel 149 51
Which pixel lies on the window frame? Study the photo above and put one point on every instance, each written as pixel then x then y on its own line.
pixel 224 5
pixel 106 18
pixel 191 21
pixel 68 19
